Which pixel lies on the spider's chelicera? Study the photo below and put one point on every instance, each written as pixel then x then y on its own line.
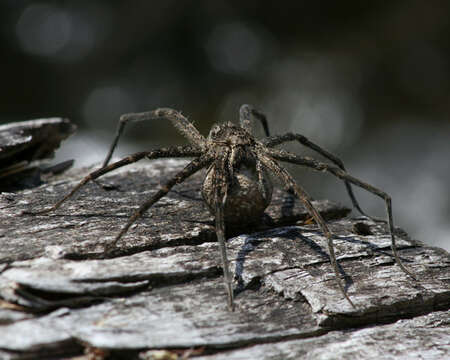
pixel 237 184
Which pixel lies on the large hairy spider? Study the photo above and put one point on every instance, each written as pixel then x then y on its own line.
pixel 237 185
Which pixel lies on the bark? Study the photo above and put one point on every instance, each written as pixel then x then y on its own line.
pixel 23 145
pixel 60 295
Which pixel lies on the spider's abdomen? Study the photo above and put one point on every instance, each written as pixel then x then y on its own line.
pixel 246 200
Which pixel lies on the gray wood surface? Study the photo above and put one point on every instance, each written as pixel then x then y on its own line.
pixel 24 145
pixel 162 289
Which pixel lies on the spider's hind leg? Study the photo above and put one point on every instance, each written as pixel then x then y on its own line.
pixel 341 174
pixel 290 184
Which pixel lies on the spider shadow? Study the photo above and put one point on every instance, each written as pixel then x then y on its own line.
pixel 251 243
pixel 287 205
pixel 373 247
pixel 286 209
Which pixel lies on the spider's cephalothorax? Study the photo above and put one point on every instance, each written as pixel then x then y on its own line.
pixel 248 192
pixel 237 185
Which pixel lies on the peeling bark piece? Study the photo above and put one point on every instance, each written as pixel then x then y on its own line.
pixel 22 143
pixel 424 337
pixel 32 140
pixel 35 337
pixel 186 315
pixel 293 262
pixel 45 285
pixel 8 316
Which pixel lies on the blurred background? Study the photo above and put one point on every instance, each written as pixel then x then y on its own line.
pixel 369 81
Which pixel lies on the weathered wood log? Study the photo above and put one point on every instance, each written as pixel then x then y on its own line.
pixel 24 143
pixel 162 289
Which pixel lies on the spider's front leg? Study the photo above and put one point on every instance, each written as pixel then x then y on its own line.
pixel 173 151
pixel 220 231
pixel 215 191
pixel 190 169
pixel 180 122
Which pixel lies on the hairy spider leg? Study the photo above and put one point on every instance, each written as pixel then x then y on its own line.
pixel 317 165
pixel 190 169
pixel 279 139
pixel 180 122
pixel 245 117
pixel 220 231
pixel 222 171
pixel 221 189
pixel 262 177
pixel 290 184
pixel 173 151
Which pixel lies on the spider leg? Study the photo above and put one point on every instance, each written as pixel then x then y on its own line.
pixel 189 170
pixel 306 200
pixel 174 151
pixel 317 165
pixel 220 231
pixel 181 123
pixel 222 173
pixel 245 117
pixel 277 140
pixel 261 178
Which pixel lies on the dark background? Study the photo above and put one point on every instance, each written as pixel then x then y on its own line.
pixel 368 80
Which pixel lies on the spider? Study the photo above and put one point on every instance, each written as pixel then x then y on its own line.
pixel 237 184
